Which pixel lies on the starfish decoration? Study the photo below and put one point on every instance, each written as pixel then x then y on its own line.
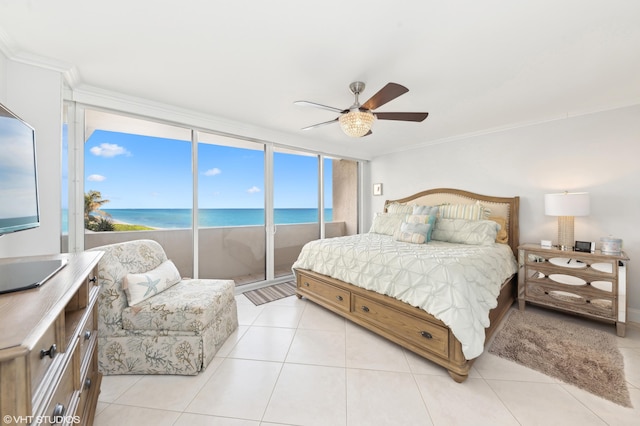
pixel 151 285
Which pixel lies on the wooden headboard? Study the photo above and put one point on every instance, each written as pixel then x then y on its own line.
pixel 505 207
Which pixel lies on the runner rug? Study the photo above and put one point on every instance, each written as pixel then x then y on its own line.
pixel 271 293
pixel 575 354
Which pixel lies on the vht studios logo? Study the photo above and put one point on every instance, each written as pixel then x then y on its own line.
pixel 39 420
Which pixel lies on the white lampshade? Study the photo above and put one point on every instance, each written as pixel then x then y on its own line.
pixel 566 205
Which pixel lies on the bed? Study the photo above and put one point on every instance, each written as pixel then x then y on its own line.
pixel 378 282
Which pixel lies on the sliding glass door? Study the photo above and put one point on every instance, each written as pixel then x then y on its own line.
pixel 296 205
pixel 231 212
pixel 221 206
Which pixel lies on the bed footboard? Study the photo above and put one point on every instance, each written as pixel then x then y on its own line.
pixel 408 326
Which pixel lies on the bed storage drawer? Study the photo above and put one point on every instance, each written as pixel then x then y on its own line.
pixel 413 329
pixel 325 292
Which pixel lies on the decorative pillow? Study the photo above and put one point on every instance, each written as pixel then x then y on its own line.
pixel 432 210
pixel 503 235
pixel 464 211
pixel 139 287
pixel 416 233
pixel 399 208
pixel 462 231
pixel 386 223
pixel 422 219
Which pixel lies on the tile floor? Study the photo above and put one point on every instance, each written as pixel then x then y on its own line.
pixel 294 363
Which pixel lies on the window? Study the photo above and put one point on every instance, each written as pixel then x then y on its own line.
pixel 222 207
pixel 138 184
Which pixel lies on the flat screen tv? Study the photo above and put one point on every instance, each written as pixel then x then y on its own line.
pixel 19 208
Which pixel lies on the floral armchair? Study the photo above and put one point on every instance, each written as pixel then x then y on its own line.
pixel 176 330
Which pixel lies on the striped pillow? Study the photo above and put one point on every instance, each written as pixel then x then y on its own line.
pixel 464 211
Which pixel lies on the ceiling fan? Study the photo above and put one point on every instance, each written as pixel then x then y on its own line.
pixel 356 121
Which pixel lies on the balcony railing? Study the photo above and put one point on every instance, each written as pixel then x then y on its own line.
pixel 236 252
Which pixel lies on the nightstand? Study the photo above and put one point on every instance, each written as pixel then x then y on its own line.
pixel 592 285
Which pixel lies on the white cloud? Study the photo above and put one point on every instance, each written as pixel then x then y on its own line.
pixel 253 190
pixel 109 150
pixel 213 172
pixel 96 178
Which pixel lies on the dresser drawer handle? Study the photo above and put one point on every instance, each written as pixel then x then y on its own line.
pixel 340 298
pixel 87 383
pixel 93 280
pixel 426 335
pixel 53 350
pixel 58 414
pixel 306 283
pixel 366 309
pixel 87 335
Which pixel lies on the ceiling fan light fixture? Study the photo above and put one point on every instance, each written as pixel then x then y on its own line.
pixel 356 123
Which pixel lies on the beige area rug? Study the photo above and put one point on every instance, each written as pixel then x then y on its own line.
pixel 575 354
pixel 271 293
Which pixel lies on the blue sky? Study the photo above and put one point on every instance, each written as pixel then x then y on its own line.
pixel 133 171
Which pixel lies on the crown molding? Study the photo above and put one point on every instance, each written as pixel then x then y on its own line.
pixel 12 52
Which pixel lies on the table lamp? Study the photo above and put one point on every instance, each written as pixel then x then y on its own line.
pixel 565 206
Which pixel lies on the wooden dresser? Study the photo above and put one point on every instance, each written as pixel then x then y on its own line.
pixel 48 347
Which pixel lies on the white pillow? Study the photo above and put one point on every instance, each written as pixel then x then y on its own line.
pixel 462 231
pixel 386 223
pixel 139 287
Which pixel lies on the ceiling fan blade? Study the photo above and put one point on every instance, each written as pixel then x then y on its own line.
pixel 313 104
pixel 384 95
pixel 401 116
pixel 320 124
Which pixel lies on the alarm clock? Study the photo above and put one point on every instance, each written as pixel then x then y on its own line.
pixel 585 246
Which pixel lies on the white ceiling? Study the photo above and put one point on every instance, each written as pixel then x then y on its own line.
pixel 475 66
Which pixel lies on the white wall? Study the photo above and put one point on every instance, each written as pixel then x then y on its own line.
pixel 35 94
pixel 598 153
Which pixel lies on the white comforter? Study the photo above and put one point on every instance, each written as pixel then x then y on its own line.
pixel 456 283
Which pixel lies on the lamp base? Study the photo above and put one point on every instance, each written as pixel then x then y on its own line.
pixel 565 233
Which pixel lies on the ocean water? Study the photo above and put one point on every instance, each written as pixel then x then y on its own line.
pixel 181 218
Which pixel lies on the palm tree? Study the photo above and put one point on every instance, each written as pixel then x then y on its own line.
pixel 92 203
